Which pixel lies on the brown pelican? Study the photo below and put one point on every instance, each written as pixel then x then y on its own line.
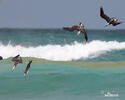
pixel 113 20
pixel 27 68
pixel 79 28
pixel 17 59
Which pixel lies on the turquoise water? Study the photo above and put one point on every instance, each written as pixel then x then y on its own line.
pixel 59 81
pixel 56 81
pixel 103 45
pixel 35 37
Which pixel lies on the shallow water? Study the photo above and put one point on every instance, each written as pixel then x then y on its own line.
pixel 58 81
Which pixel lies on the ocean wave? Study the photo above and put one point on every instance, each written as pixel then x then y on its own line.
pixel 66 52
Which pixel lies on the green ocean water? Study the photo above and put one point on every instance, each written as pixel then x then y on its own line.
pixel 61 81
pixel 63 67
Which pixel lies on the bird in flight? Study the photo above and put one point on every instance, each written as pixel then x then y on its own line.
pixel 17 59
pixel 27 68
pixel 113 20
pixel 79 28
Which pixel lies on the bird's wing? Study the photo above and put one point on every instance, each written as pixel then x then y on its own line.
pixel 116 23
pixel 15 58
pixel 107 18
pixel 27 68
pixel 71 28
pixel 85 34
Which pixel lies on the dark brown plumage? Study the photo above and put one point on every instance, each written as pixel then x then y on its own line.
pixel 78 28
pixel 17 59
pixel 27 68
pixel 109 20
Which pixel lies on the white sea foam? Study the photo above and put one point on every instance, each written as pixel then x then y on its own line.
pixel 108 94
pixel 67 52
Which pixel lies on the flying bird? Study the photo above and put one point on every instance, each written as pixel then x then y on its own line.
pixel 79 28
pixel 17 59
pixel 113 20
pixel 27 68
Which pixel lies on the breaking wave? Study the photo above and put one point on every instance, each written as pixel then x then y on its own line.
pixel 66 52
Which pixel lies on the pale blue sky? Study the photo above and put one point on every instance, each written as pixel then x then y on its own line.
pixel 59 13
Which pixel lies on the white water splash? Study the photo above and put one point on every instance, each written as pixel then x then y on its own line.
pixel 67 52
pixel 108 94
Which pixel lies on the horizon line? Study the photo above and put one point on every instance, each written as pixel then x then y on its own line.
pixel 59 28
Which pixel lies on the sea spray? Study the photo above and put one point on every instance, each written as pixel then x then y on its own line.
pixel 67 52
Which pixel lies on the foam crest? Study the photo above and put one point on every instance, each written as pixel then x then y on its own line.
pixel 66 52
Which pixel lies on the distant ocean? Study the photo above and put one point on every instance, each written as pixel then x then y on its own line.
pixel 62 81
